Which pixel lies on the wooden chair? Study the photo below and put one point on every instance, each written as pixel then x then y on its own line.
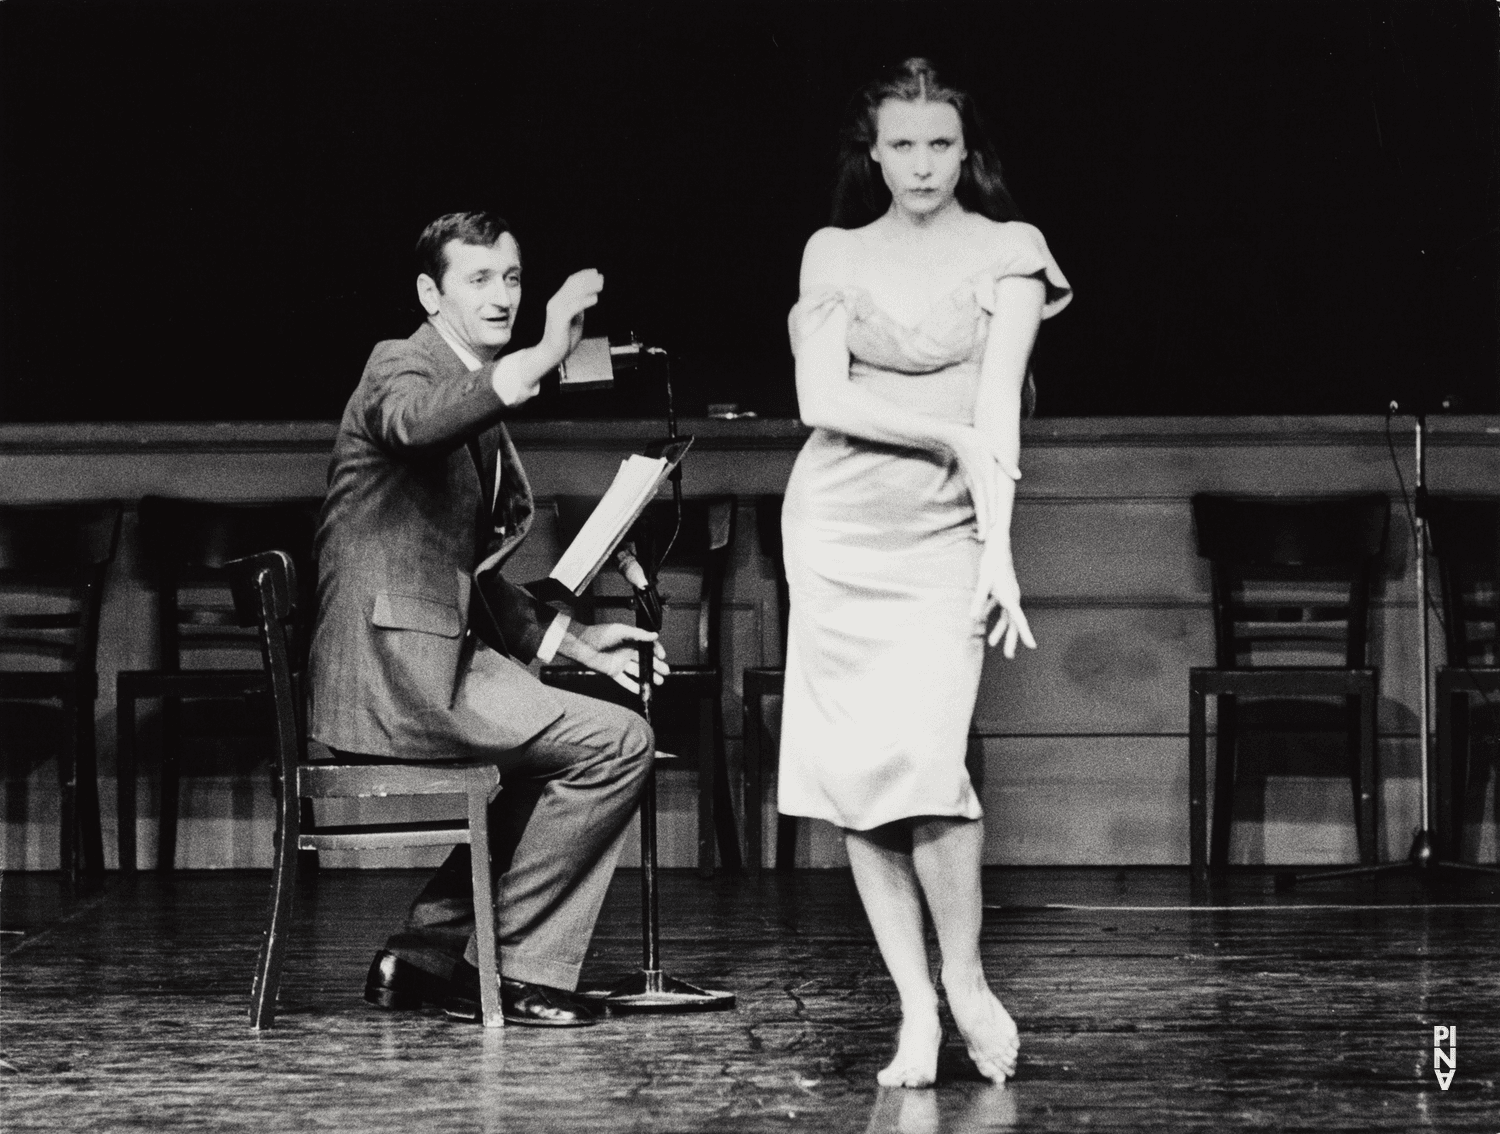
pixel 265 589
pixel 186 544
pixel 688 710
pixel 1287 575
pixel 1466 539
pixel 53 560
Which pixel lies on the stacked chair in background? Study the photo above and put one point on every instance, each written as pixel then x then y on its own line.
pixel 53 563
pixel 1466 539
pixel 1290 578
pixel 186 545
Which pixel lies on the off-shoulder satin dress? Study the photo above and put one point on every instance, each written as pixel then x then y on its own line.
pixel 882 557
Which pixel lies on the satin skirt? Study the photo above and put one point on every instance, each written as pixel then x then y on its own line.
pixel 883 660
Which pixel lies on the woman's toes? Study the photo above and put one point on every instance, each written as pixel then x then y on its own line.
pixel 915 1062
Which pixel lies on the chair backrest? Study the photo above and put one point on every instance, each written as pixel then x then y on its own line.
pixel 265 593
pixel 1466 539
pixel 188 543
pixel 53 559
pixel 1291 573
pixel 703 544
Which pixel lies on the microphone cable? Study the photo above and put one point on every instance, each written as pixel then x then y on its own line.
pixel 1433 606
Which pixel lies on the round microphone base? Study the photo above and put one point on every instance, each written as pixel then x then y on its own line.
pixel 655 991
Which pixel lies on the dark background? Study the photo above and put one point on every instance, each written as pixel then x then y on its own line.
pixel 1264 207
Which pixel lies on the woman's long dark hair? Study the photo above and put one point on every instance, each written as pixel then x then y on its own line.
pixel 860 195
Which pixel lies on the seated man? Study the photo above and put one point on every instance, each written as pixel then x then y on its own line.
pixel 414 659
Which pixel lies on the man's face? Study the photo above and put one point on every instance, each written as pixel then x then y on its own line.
pixel 480 294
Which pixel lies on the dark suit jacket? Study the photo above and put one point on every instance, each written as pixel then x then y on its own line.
pixel 400 533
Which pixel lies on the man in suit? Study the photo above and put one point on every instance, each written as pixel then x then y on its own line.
pixel 420 644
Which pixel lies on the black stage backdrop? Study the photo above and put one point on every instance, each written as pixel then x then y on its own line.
pixel 1265 207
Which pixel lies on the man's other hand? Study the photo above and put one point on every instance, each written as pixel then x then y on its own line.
pixel 613 649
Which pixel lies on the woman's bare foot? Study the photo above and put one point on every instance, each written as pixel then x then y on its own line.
pixel 992 1037
pixel 917 1044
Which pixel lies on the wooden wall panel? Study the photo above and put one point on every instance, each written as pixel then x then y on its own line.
pixel 1105 550
pixel 1121 800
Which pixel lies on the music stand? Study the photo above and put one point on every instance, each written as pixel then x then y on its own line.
pixel 1422 857
pixel 653 990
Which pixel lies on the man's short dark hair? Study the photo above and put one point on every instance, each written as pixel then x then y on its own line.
pixel 483 229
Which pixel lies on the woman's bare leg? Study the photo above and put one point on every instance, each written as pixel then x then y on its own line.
pixel 946 855
pixel 887 884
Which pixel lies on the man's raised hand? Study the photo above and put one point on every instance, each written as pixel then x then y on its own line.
pixel 564 330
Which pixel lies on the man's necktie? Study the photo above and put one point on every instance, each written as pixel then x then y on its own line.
pixel 484 508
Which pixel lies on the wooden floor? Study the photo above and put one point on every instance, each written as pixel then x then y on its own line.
pixel 123 1008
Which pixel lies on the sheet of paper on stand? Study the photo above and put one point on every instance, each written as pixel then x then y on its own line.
pixel 634 485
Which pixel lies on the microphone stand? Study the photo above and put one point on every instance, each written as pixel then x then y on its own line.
pixel 1423 857
pixel 652 989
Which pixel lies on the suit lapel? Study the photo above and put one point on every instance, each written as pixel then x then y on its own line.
pixel 448 367
pixel 493 456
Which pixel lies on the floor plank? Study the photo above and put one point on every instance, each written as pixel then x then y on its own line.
pixel 1142 1005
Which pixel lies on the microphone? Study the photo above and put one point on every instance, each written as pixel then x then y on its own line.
pixel 630 567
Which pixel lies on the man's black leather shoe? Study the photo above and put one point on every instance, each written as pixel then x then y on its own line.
pixel 530 1005
pixel 394 983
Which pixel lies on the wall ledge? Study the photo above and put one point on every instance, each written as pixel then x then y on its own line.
pixel 746 433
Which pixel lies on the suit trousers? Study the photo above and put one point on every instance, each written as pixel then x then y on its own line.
pixel 566 797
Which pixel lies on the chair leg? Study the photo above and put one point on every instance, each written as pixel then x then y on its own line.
pixel 67 785
pixel 484 908
pixel 1368 786
pixel 1464 848
pixel 171 774
pixel 974 763
pixel 786 844
pixel 751 706
pixel 307 860
pixel 706 826
pixel 1469 776
pixel 86 769
pixel 1225 769
pixel 274 945
pixel 1494 762
pixel 125 773
pixel 1353 724
pixel 1197 783
pixel 1448 777
pixel 711 739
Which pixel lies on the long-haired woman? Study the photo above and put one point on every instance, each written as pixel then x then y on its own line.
pixel 913 339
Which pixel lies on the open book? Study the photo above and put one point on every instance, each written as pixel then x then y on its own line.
pixel 634 486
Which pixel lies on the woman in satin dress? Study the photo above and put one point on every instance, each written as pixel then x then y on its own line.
pixel 912 338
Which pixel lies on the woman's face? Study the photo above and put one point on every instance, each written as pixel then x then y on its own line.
pixel 919 147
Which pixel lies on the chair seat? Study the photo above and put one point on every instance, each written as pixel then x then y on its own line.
pixel 694 680
pixel 318 780
pixel 190 683
pixel 1309 714
pixel 1282 681
pixel 49 686
pixel 361 836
